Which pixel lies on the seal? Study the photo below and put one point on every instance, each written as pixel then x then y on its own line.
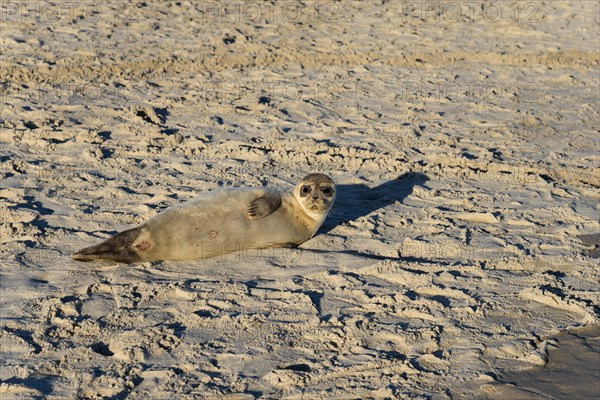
pixel 220 222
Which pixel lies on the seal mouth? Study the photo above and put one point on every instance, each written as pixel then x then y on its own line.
pixel 316 205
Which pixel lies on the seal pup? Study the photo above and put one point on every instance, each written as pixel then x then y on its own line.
pixel 221 222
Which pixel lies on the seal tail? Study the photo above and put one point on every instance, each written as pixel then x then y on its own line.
pixel 119 248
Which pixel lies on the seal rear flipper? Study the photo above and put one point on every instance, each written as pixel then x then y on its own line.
pixel 120 248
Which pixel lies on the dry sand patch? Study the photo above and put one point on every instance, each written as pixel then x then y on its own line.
pixel 466 151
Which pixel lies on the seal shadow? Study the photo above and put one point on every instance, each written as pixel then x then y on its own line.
pixel 357 200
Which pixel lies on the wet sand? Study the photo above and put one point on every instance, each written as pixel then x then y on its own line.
pixel 571 372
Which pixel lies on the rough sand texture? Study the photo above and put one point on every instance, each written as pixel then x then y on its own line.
pixel 430 286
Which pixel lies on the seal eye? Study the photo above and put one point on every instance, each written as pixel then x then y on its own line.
pixel 327 191
pixel 305 190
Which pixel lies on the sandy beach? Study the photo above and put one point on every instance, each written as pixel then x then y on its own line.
pixel 460 260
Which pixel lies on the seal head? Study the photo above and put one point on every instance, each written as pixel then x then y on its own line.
pixel 315 193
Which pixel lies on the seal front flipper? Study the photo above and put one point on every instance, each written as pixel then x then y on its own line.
pixel 124 247
pixel 264 205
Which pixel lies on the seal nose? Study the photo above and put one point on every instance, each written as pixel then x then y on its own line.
pixel 315 197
